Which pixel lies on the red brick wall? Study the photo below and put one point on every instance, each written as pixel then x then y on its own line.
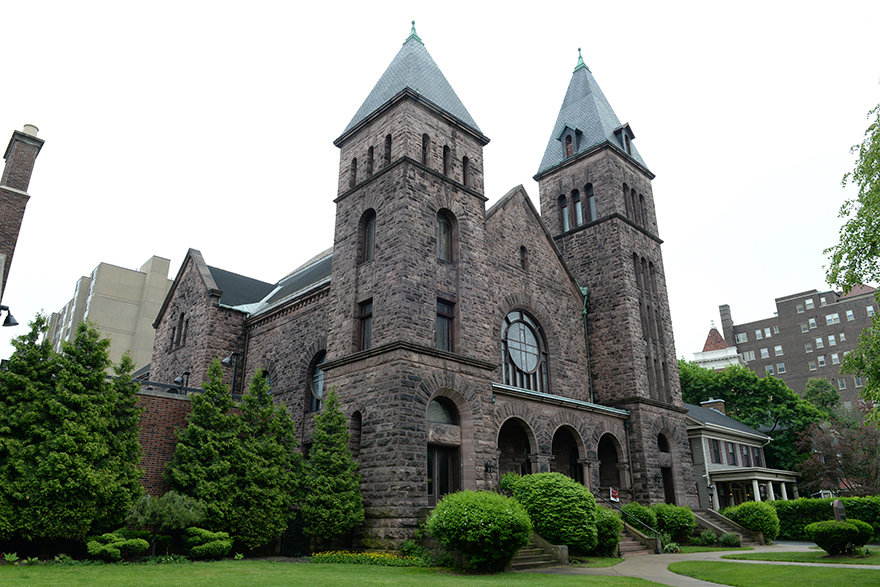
pixel 164 414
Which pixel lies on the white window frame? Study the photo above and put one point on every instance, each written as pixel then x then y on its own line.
pixel 768 369
pixel 850 316
pixel 858 381
pixel 767 332
pixel 780 367
pixel 812 365
pixel 775 330
pixel 742 337
pixel 748 356
pixel 765 353
pixel 805 327
pixel 831 340
pixel 820 344
pixel 809 304
pixel 777 350
pixel 842 337
pixel 835 359
pixel 841 384
pixel 808 347
pixel 821 359
pixel 870 310
pixel 800 308
pixel 758 334
pixel 812 323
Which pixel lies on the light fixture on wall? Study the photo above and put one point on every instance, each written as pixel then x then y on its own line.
pixel 232 359
pixel 657 478
pixel 10 320
pixel 488 466
pixel 182 380
pixel 711 490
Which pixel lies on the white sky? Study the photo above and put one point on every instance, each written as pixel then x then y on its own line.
pixel 209 125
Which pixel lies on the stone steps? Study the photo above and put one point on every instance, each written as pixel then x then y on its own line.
pixel 532 556
pixel 629 546
pixel 713 520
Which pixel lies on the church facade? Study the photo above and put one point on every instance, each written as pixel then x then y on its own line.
pixel 463 342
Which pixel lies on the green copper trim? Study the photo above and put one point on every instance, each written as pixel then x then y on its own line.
pixel 580 63
pixel 413 35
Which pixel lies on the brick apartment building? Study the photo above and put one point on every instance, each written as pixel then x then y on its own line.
pixel 807 337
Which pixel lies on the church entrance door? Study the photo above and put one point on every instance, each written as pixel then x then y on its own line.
pixel 443 472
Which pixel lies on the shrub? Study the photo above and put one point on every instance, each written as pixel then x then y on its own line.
pixel 678 521
pixel 866 532
pixel 113 546
pixel 487 527
pixel 671 547
pixel 206 544
pixel 640 513
pixel 831 536
pixel 756 516
pixel 608 527
pixel 508 480
pixel 384 559
pixel 562 510
pixel 706 538
pixel 796 514
pixel 729 540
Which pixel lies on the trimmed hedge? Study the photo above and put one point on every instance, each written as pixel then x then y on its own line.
pixel 113 546
pixel 831 536
pixel 641 513
pixel 488 528
pixel 206 544
pixel 562 510
pixel 796 514
pixel 757 516
pixel 608 526
pixel 866 532
pixel 677 521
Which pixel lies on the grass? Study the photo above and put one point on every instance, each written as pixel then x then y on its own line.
pixel 693 549
pixel 742 575
pixel 268 574
pixel 807 557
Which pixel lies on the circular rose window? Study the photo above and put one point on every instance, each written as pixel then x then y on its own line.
pixel 522 344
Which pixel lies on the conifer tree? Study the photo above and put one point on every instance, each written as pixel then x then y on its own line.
pixel 202 465
pixel 333 504
pixel 268 472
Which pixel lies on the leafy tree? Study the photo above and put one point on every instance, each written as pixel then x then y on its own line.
pixel 68 437
pixel 842 459
pixel 856 258
pixel 822 394
pixel 333 504
pixel 171 511
pixel 202 466
pixel 766 404
pixel 267 468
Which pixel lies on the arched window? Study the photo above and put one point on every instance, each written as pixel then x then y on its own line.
pixel 370 162
pixel 578 208
pixel 465 170
pixel 523 259
pixel 426 141
pixel 316 382
pixel 643 215
pixel 445 236
pixel 662 443
pixel 387 150
pixel 591 203
pixel 524 352
pixel 442 411
pixel 446 161
pixel 637 216
pixel 563 213
pixel 569 147
pixel 627 204
pixel 353 173
pixel 368 239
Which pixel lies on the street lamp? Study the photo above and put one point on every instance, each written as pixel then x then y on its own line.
pixel 232 359
pixel 10 320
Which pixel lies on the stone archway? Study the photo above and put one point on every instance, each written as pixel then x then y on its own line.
pixel 567 454
pixel 516 446
pixel 608 454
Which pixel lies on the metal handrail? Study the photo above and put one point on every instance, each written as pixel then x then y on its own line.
pixel 657 544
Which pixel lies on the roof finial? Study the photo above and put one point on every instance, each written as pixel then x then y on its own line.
pixel 413 35
pixel 580 63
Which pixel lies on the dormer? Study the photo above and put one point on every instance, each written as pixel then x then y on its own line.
pixel 625 136
pixel 569 137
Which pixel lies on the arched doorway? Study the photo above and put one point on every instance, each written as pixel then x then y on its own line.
pixel 566 455
pixel 666 468
pixel 443 461
pixel 609 460
pixel 514 447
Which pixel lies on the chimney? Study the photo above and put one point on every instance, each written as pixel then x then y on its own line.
pixel 726 325
pixel 713 404
pixel 20 155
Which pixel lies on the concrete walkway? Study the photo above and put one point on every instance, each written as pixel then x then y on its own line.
pixel 654 567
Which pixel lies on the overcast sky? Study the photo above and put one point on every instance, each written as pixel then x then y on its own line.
pixel 210 125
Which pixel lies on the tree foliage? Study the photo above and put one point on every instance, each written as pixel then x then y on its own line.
pixel 333 504
pixel 843 459
pixel 171 511
pixel 69 452
pixel 819 392
pixel 766 404
pixel 856 258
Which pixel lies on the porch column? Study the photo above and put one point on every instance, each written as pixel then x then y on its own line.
pixel 784 492
pixel 770 495
pixel 756 490
pixel 589 466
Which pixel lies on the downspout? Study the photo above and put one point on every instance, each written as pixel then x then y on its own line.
pixel 585 292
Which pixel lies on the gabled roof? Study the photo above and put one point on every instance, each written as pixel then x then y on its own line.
pixel 413 68
pixel 237 289
pixel 315 271
pixel 714 342
pixel 714 417
pixel 586 110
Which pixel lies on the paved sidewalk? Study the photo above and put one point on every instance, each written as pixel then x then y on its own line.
pixel 654 567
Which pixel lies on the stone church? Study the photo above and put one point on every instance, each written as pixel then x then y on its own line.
pixel 463 342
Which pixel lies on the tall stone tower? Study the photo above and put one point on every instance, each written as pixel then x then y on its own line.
pixel 597 202
pixel 20 155
pixel 409 253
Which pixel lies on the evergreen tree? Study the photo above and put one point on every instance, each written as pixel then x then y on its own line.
pixel 333 504
pixel 202 465
pixel 60 424
pixel 267 468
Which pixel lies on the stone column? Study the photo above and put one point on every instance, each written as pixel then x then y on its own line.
pixel 784 492
pixel 541 462
pixel 589 466
pixel 625 481
pixel 756 490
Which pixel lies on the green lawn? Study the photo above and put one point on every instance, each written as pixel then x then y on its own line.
pixel 266 574
pixel 744 575
pixel 807 557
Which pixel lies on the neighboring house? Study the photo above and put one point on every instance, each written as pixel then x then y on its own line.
pixel 728 457
pixel 463 342
pixel 122 303
pixel 807 337
pixel 716 354
pixel 20 155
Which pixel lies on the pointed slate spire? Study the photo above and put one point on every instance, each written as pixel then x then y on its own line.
pixel 586 110
pixel 413 68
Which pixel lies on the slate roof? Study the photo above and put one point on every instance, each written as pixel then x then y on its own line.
pixel 709 416
pixel 586 109
pixel 238 289
pixel 314 271
pixel 413 68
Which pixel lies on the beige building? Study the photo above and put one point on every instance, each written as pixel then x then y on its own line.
pixel 123 303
